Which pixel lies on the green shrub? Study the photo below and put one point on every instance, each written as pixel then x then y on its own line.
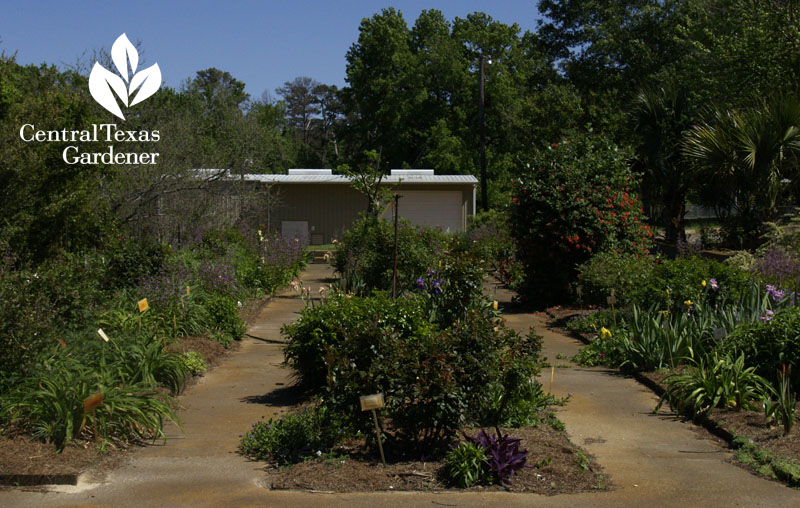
pixel 298 435
pixel 770 344
pixel 626 275
pixel 489 236
pixel 577 201
pixel 716 381
pixel 365 255
pixel 434 380
pixel 673 282
pixel 194 362
pixel 127 260
pixel 466 465
pixel 223 314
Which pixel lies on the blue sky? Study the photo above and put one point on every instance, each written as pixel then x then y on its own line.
pixel 262 43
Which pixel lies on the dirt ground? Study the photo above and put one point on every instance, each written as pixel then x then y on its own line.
pixel 556 467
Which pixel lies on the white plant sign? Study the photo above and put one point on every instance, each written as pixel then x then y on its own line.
pixel 103 84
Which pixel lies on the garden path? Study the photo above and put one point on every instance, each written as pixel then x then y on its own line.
pixel 653 460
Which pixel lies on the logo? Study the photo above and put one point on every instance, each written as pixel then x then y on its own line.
pixel 102 81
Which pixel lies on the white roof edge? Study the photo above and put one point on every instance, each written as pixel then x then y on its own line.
pixel 412 172
pixel 304 171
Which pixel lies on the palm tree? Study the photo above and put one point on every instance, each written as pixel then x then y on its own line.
pixel 745 158
pixel 661 117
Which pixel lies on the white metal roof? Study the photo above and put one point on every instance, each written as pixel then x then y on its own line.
pixel 322 176
pixel 301 176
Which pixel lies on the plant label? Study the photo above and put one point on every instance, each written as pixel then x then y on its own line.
pixel 102 334
pixel 579 291
pixel 187 290
pixel 369 402
pixel 143 305
pixel 93 402
pixel 611 300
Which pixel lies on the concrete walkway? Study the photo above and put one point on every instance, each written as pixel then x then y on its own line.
pixel 653 460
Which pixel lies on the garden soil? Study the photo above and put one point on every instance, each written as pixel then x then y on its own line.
pixel 652 459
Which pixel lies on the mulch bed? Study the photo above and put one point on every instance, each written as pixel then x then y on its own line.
pixel 559 467
pixel 25 461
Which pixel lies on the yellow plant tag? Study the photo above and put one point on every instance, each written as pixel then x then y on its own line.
pixel 102 334
pixel 143 305
pixel 187 290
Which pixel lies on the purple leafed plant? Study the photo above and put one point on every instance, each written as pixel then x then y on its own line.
pixel 502 453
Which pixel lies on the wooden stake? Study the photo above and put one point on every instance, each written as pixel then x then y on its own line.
pixel 378 433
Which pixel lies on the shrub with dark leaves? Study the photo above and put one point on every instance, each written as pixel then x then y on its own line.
pixel 502 453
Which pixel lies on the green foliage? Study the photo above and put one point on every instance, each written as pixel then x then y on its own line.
pixel 489 235
pixel 224 314
pixel 466 465
pixel 626 275
pixel 766 462
pixel 715 381
pixel 194 363
pixel 434 380
pixel 747 155
pixel 50 405
pixel 770 343
pixel 127 260
pixel 365 255
pixel 297 435
pixel 783 409
pixel 672 282
pixel 576 201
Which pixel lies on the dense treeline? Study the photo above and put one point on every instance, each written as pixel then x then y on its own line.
pixel 642 73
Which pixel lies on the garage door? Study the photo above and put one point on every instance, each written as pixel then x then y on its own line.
pixel 432 208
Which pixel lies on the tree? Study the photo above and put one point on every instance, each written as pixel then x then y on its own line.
pixel 745 158
pixel 302 105
pixel 46 204
pixel 609 50
pixel 661 116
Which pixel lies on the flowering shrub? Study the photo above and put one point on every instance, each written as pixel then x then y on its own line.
pixel 434 380
pixel 576 200
pixel 778 266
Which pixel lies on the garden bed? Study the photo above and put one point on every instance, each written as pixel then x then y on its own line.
pixel 769 453
pixel 557 467
pixel 24 461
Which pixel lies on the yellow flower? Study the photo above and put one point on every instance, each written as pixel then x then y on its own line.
pixel 703 283
pixel 688 303
pixel 494 305
pixel 605 333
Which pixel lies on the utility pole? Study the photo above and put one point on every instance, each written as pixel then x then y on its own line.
pixel 482 120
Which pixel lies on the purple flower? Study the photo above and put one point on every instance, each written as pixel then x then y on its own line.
pixel 436 288
pixel 767 315
pixel 714 284
pixel 430 272
pixel 420 283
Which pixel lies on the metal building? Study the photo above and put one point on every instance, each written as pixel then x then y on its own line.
pixel 317 206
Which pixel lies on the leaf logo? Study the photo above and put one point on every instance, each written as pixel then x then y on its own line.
pixel 103 82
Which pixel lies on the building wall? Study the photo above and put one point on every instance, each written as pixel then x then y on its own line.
pixel 330 209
